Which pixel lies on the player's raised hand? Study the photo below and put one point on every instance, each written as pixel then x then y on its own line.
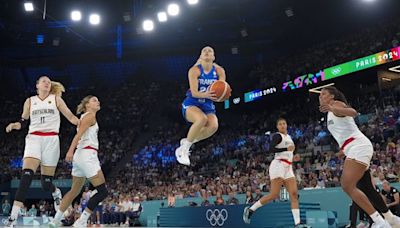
pixel 13 126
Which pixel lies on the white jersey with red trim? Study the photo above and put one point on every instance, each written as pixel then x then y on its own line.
pixel 285 143
pixel 90 137
pixel 44 114
pixel 343 128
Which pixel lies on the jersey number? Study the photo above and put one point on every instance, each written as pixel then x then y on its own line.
pixel 203 89
pixel 41 120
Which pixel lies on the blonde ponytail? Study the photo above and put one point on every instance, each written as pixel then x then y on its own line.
pixel 82 106
pixel 57 88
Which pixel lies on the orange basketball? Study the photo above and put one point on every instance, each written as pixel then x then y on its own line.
pixel 221 89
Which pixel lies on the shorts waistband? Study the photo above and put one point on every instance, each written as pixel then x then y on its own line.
pixel 39 133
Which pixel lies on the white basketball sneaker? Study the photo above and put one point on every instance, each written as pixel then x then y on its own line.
pixel 394 221
pixel 182 156
pixel 381 225
pixel 54 224
pixel 57 196
pixel 80 223
pixel 182 153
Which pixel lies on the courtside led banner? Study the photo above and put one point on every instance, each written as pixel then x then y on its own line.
pixel 343 69
pixel 362 63
pixel 377 59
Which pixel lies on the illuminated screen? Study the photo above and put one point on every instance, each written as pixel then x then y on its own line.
pixel 377 59
pixel 362 63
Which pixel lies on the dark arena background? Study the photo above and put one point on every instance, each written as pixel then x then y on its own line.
pixel 134 56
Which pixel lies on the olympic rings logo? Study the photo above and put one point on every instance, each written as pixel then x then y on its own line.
pixel 216 216
pixel 336 70
pixel 5 221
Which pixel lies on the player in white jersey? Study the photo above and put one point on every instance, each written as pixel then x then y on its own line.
pixel 353 144
pixel 281 173
pixel 85 163
pixel 42 145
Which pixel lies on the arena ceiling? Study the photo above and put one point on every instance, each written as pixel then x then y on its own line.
pixel 267 24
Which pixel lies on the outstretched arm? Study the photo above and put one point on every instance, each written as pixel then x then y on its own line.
pixel 66 111
pixel 340 109
pixel 24 118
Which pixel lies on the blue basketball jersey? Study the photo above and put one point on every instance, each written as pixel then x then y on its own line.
pixel 205 80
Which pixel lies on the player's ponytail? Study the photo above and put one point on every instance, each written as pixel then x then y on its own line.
pixel 57 88
pixel 82 106
pixel 337 94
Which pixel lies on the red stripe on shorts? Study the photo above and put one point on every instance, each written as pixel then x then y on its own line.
pixel 89 148
pixel 39 133
pixel 349 140
pixel 286 161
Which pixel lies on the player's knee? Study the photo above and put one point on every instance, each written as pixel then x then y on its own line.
pixel 275 196
pixel 98 197
pixel 347 186
pixel 365 183
pixel 213 127
pixel 26 180
pixel 102 191
pixel 47 183
pixel 202 120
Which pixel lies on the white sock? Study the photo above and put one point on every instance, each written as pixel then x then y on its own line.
pixel 188 144
pixel 58 216
pixel 388 214
pixel 85 216
pixel 14 212
pixel 55 193
pixel 296 216
pixel 377 218
pixel 255 206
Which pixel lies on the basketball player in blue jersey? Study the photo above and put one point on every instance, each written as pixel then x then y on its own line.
pixel 198 107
